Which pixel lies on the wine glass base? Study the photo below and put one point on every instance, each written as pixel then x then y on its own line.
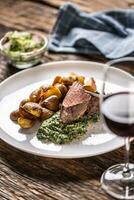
pixel 117 184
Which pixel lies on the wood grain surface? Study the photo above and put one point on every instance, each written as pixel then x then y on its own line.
pixel 27 177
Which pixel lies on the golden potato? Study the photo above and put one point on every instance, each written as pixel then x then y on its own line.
pixel 25 114
pixel 33 108
pixel 58 79
pixel 44 88
pixel 90 85
pixel 81 79
pixel 46 114
pixel 36 95
pixel 23 102
pixel 51 103
pixel 73 76
pixel 63 89
pixel 25 123
pixel 69 80
pixel 52 91
pixel 15 115
pixel 76 77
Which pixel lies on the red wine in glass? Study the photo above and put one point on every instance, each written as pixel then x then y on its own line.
pixel 118 112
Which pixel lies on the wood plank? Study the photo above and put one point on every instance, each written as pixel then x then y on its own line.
pixel 27 15
pixel 31 177
pixel 93 5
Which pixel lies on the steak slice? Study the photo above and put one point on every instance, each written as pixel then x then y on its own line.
pixel 94 104
pixel 75 103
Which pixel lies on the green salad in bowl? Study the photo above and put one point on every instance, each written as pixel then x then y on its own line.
pixel 23 49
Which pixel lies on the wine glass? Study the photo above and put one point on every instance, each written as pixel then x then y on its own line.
pixel 117 109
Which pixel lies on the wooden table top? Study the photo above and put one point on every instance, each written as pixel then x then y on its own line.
pixel 27 177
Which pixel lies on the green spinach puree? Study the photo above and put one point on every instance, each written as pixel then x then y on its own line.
pixel 52 130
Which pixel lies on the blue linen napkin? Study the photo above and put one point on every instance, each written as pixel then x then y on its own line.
pixel 108 33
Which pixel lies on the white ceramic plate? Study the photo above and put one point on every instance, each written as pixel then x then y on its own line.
pixel 18 87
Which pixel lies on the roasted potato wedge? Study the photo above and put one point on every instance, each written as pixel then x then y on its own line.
pixel 36 95
pixel 81 79
pixel 33 108
pixel 69 80
pixel 25 123
pixel 23 102
pixel 90 85
pixel 25 114
pixel 14 115
pixel 76 77
pixel 73 76
pixel 52 91
pixel 58 79
pixel 51 103
pixel 44 88
pixel 63 89
pixel 46 114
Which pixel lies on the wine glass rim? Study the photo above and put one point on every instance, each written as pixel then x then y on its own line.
pixel 118 69
pixel 120 60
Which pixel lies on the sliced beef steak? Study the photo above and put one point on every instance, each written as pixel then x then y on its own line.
pixel 75 104
pixel 94 105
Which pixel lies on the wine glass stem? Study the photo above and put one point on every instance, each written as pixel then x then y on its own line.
pixel 126 169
